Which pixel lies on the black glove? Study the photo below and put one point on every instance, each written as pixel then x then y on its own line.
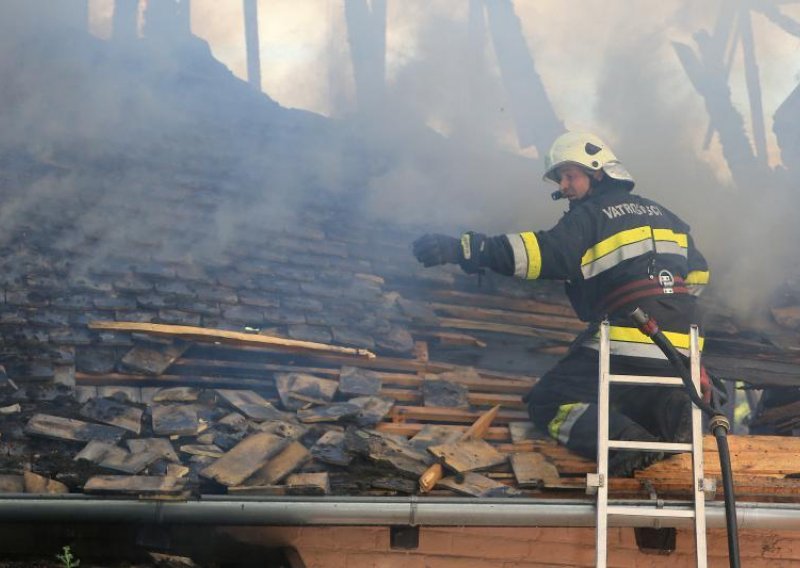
pixel 436 249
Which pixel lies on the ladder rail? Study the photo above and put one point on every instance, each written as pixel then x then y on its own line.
pixel 697 453
pixel 600 480
pixel 603 395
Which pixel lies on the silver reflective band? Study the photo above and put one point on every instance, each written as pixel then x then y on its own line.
pixel 629 349
pixel 625 252
pixel 564 429
pixel 670 247
pixel 521 260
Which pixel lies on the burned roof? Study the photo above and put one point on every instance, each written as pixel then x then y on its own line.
pixel 168 225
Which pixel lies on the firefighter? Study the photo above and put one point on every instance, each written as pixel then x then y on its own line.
pixel 615 251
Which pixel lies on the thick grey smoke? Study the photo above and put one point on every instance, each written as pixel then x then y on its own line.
pixel 744 226
pixel 439 152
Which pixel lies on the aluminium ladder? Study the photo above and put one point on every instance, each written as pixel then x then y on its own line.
pixel 599 482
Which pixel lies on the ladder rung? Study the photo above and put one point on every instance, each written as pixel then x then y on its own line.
pixel 646 380
pixel 672 447
pixel 644 511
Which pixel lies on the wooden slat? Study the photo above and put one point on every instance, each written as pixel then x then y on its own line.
pixel 475 399
pixel 231 337
pixel 503 302
pixel 507 317
pixel 474 325
pixel 495 433
pixel 382 363
pixel 438 414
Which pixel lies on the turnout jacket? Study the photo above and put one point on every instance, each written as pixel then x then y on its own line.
pixel 607 242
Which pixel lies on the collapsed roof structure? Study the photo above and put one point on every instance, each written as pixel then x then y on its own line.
pixel 330 366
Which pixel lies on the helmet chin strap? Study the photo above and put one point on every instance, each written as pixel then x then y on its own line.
pixel 594 182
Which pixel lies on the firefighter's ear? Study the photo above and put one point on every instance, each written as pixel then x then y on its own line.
pixel 598 175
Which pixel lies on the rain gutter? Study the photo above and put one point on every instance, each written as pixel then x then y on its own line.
pixel 376 511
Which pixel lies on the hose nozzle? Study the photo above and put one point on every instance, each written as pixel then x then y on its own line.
pixel 644 322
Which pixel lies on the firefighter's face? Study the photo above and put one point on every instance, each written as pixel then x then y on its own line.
pixel 574 182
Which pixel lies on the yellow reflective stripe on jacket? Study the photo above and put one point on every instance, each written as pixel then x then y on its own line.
pixel 561 425
pixel 681 239
pixel 614 242
pixel 696 281
pixel 630 342
pixel 696 277
pixel 527 255
pixel 629 244
pixel 633 335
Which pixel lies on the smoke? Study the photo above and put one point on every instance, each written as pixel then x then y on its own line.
pixel 744 229
pixel 440 152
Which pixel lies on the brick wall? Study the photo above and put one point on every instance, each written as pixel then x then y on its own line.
pixel 499 547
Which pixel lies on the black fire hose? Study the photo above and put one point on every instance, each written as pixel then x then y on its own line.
pixel 718 423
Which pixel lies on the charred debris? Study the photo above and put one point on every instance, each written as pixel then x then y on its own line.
pixel 216 209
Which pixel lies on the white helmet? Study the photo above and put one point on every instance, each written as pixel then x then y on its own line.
pixel 585 150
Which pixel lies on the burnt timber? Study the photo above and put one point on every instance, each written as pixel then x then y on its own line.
pixel 304 266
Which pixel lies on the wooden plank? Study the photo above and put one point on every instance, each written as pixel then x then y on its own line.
pixel 475 379
pixel 85 379
pixel 308 484
pixel 328 413
pixel 373 409
pixel 476 431
pixel 293 456
pixel 162 447
pixel 113 457
pixel 252 405
pixel 525 305
pixel 451 338
pixel 176 394
pixel 12 483
pixel 72 430
pixel 477 485
pixel 525 331
pixel 245 458
pixel 509 317
pixel 330 449
pixel 382 363
pixel 208 450
pixel 359 382
pixel 175 419
pixel 110 411
pixel 414 398
pixel 298 389
pixel 258 369
pixel 35 483
pixel 135 484
pixel 153 359
pixel 387 450
pixel 468 455
pixel 231 337
pixel 442 393
pixel 495 433
pixel 454 415
pixel 521 431
pixel 778 414
pixel 503 302
pixel 533 470
pixel 433 435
